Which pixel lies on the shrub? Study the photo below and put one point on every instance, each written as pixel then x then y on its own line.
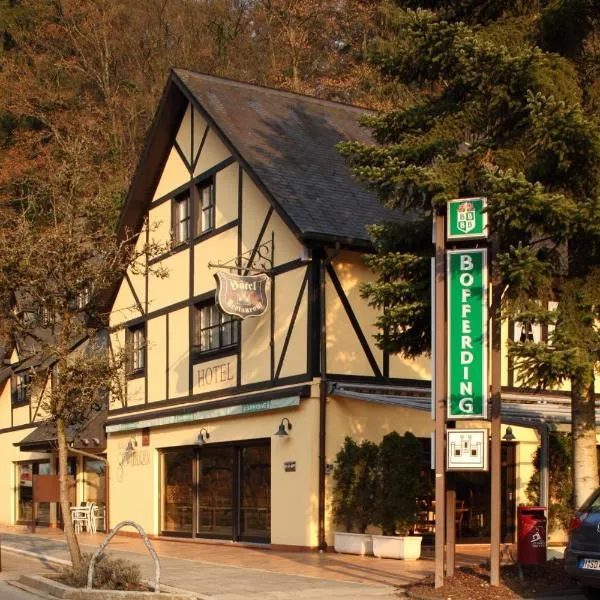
pixel 400 482
pixel 109 574
pixel 560 481
pixel 366 485
pixel 344 475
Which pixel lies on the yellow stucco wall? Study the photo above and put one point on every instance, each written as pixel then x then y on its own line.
pixel 344 351
pixel 294 496
pixel 370 421
pixel 222 247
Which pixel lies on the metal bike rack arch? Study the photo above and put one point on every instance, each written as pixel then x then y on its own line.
pixel 109 537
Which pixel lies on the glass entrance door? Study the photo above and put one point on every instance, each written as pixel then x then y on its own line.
pixel 255 493
pixel 215 491
pixel 178 489
pixel 219 491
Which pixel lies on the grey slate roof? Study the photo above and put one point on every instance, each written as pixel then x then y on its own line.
pixel 289 141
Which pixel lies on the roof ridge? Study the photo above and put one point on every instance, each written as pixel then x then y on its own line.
pixel 279 91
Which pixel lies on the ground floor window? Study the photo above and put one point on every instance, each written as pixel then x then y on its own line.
pixel 219 491
pixel 473 499
pixel 24 475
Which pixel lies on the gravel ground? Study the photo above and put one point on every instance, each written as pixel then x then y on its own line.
pixel 472 583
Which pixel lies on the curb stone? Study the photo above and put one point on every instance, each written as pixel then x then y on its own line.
pixel 47 557
pixel 62 562
pixel 59 590
pixel 555 594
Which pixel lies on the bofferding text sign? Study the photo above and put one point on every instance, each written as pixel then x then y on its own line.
pixel 467 333
pixel 242 295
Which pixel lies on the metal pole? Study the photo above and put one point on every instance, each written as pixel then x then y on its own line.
pixel 450 529
pixel 440 397
pixel 495 465
pixel 544 465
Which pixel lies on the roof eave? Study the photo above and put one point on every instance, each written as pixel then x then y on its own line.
pixel 347 243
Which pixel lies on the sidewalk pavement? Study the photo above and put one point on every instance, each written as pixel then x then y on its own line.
pixel 15 565
pixel 231 572
pixel 210 572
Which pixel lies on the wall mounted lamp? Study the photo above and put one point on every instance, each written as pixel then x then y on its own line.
pixel 509 436
pixel 131 444
pixel 281 430
pixel 203 436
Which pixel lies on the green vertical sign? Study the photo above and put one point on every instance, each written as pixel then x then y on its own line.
pixel 467 333
pixel 467 219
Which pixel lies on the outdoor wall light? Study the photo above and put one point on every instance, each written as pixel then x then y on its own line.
pixel 281 430
pixel 203 436
pixel 509 436
pixel 131 445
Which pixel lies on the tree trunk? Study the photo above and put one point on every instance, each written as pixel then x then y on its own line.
pixel 72 542
pixel 585 462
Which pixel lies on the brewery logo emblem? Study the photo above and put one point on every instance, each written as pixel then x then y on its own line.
pixel 465 217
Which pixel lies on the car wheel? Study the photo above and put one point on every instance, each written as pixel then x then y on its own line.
pixel 590 593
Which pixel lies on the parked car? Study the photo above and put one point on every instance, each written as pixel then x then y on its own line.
pixel 582 556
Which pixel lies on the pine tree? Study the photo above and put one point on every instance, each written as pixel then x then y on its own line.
pixel 506 109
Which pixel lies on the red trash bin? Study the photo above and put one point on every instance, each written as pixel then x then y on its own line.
pixel 531 535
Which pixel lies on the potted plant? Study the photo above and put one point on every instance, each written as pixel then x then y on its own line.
pixel 400 484
pixel 354 495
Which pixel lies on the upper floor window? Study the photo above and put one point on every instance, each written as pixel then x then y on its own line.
pixel 83 298
pixel 181 218
pixel 136 345
pixel 21 388
pixel 205 207
pixel 46 317
pixel 213 329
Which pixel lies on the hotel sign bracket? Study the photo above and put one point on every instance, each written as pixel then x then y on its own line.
pixel 256 260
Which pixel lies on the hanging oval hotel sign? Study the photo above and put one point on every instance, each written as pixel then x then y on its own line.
pixel 242 295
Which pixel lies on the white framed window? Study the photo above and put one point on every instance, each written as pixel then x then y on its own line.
pixel 181 218
pixel 21 392
pixel 213 329
pixel 205 207
pixel 137 349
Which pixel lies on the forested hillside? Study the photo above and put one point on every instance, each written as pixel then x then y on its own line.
pixel 80 79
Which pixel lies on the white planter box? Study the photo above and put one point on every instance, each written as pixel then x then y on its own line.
pixel 404 547
pixel 353 543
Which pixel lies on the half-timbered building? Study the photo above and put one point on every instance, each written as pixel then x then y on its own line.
pixel 243 181
pixel 239 393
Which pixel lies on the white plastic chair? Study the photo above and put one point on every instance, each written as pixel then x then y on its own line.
pixel 80 517
pixel 98 513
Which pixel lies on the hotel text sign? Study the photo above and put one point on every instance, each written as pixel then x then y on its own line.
pixel 467 333
pixel 467 219
pixel 217 374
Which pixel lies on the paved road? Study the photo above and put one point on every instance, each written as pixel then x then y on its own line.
pixel 13 565
pixel 8 592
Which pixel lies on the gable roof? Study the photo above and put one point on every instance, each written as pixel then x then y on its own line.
pixel 285 141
